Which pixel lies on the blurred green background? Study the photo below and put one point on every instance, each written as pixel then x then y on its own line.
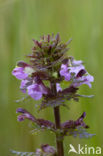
pixel 22 20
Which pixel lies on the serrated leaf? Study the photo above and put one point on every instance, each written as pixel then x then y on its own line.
pixel 58 101
pixel 52 103
pixel 80 132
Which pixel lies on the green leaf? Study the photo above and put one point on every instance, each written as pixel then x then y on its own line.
pixel 80 132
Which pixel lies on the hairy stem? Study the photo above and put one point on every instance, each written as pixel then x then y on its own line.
pixel 59 140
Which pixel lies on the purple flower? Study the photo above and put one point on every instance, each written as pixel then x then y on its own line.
pixel 36 91
pixel 24 115
pixel 22 71
pixel 74 124
pixel 19 73
pixel 75 71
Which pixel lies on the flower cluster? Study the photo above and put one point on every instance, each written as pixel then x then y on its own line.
pixel 71 69
pixel 34 89
pixel 42 78
pixel 32 85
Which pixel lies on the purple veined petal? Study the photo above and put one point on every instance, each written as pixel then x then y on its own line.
pixel 58 87
pixel 76 69
pixel 41 86
pixel 76 63
pixel 90 78
pixel 34 91
pixel 83 80
pixel 35 95
pixel 65 72
pixel 67 76
pixel 64 67
pixel 19 73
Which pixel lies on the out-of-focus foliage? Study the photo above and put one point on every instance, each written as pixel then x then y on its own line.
pixel 22 20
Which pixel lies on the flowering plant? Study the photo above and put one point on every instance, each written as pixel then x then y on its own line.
pixel 41 79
